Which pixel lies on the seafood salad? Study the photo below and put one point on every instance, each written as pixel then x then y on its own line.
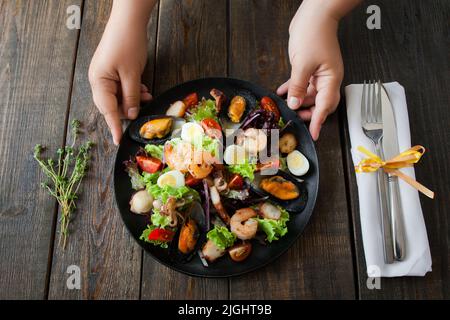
pixel 214 175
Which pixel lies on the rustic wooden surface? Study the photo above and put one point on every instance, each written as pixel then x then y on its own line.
pixel 43 85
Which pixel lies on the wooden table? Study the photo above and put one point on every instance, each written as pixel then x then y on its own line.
pixel 43 85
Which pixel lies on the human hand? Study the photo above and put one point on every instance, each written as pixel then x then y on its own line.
pixel 317 68
pixel 116 69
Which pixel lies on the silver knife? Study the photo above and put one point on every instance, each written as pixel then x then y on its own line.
pixel 390 150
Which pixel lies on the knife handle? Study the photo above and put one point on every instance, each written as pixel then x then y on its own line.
pixel 398 229
pixel 382 181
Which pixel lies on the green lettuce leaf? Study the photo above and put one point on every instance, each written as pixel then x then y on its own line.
pixel 246 169
pixel 159 220
pixel 156 151
pixel 281 123
pixel 274 229
pixel 185 192
pixel 205 109
pixel 208 144
pixel 137 181
pixel 221 237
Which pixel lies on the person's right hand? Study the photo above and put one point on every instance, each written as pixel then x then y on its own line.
pixel 115 72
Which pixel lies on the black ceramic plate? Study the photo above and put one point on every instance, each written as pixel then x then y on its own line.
pixel 261 255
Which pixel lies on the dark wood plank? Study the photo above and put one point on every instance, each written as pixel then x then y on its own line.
pixel 412 48
pixel 191 44
pixel 109 259
pixel 319 265
pixel 36 57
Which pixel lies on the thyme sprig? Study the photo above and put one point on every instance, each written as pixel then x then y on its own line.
pixel 65 175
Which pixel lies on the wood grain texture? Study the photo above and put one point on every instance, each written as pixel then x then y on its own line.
pixel 191 44
pixel 36 57
pixel 412 48
pixel 319 265
pixel 109 259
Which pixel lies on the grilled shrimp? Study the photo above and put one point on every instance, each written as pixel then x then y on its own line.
pixel 178 157
pixel 253 140
pixel 242 224
pixel 269 211
pixel 200 170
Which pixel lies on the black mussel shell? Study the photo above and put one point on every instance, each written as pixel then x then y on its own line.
pixel 249 97
pixel 196 213
pixel 136 125
pixel 251 103
pixel 295 205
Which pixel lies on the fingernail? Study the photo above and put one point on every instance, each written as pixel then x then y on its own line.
pixel 293 102
pixel 132 113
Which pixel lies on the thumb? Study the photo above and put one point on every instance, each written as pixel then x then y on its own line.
pixel 298 85
pixel 131 95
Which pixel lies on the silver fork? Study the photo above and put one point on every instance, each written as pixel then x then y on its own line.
pixel 372 125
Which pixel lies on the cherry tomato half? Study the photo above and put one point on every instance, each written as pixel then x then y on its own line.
pixel 236 182
pixel 149 164
pixel 269 105
pixel 212 128
pixel 161 234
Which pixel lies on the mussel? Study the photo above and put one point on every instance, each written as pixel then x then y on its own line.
pixel 191 236
pixel 188 236
pixel 236 109
pixel 241 104
pixel 282 188
pixel 153 129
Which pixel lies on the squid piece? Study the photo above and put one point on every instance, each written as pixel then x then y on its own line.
pixel 219 97
pixel 217 203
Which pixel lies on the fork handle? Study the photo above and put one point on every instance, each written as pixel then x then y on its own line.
pixel 398 230
pixel 382 180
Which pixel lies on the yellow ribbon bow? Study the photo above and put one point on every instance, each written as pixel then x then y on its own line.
pixel 405 159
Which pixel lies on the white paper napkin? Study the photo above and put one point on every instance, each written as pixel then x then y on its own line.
pixel 418 257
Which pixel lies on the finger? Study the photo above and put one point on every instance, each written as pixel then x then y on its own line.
pixel 106 102
pixel 326 102
pixel 146 96
pixel 131 95
pixel 305 114
pixel 310 98
pixel 298 85
pixel 144 88
pixel 283 89
pixel 112 118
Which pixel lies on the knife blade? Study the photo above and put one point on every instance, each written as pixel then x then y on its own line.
pixel 391 149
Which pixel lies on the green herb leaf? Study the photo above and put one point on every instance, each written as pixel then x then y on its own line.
pixel 65 174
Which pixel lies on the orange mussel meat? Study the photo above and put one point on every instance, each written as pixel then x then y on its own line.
pixel 280 188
